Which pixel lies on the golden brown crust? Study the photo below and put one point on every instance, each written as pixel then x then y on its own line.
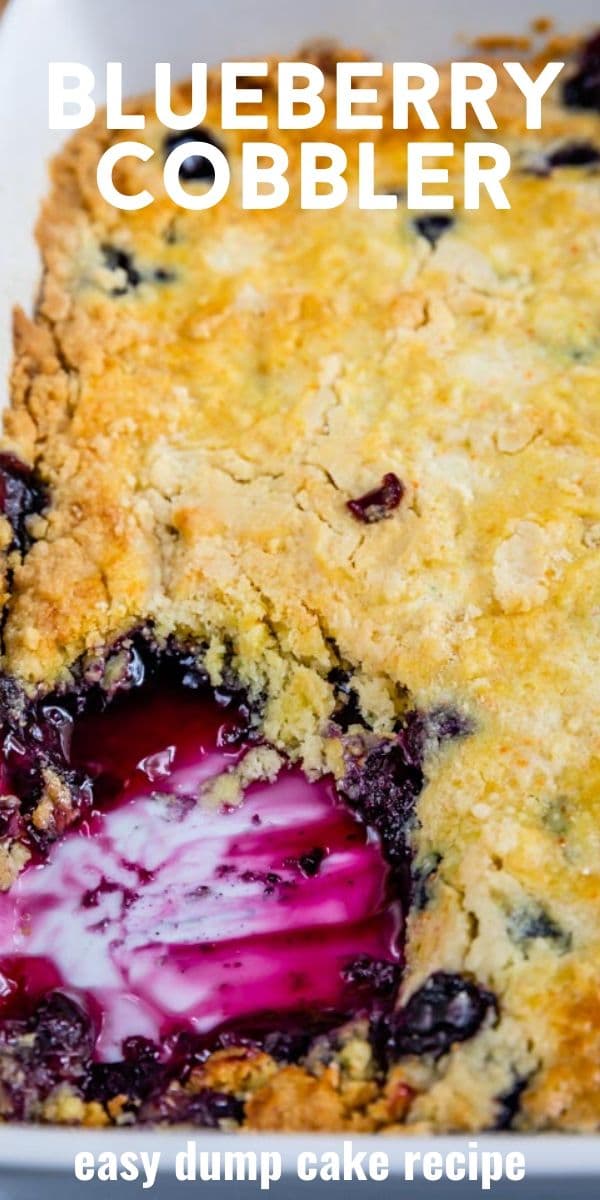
pixel 200 438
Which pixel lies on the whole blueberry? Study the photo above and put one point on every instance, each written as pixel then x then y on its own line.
pixel 196 167
pixel 431 226
pixel 582 89
pixel 448 1008
pixel 21 495
pixel 574 154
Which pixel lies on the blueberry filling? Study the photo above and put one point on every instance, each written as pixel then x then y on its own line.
pixel 582 89
pixel 40 1048
pixel 574 154
pixel 383 779
pixel 378 503
pixel 136 1076
pixel 271 876
pixel 35 760
pixel 21 496
pixel 431 226
pixel 382 783
pixel 131 870
pixel 196 167
pixel 51 1043
pixel 446 1009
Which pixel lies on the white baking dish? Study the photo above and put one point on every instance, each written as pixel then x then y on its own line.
pixel 36 1162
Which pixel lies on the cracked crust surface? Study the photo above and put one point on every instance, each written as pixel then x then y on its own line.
pixel 200 438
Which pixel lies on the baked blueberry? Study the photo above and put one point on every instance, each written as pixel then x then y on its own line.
pixel 431 226
pixel 347 707
pixel 380 502
pixel 574 154
pixel 509 1103
pixel 423 878
pixel 582 89
pixel 382 783
pixel 446 1009
pixel 532 922
pixel 120 260
pixel 196 167
pixel 21 495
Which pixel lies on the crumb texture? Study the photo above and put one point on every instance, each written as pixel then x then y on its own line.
pixel 204 396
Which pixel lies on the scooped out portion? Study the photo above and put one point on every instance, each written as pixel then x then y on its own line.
pixel 162 912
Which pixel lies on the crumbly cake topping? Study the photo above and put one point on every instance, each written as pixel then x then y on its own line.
pixel 353 454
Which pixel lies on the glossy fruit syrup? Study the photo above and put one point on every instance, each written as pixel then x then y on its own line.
pixel 162 912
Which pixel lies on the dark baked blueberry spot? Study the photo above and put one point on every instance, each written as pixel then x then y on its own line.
pixel 378 503
pixel 508 1104
pixel 21 495
pixel 582 89
pixel 119 260
pixel 423 877
pixel 574 154
pixel 531 922
pixel 446 1009
pixel 446 724
pixel 431 226
pixel 347 710
pixel 375 976
pixel 195 167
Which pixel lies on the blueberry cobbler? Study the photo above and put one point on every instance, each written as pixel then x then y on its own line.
pixel 300 691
